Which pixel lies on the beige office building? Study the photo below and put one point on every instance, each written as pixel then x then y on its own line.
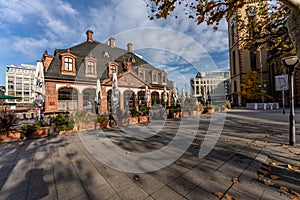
pixel 211 86
pixel 19 80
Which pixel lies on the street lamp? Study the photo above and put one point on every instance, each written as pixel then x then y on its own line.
pixel 291 62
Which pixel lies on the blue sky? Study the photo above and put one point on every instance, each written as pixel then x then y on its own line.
pixel 178 46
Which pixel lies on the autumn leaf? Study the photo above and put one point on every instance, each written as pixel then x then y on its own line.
pixel 295 152
pixel 274 163
pixel 105 167
pixel 263 172
pixel 136 177
pixel 9 145
pixel 73 160
pixel 274 177
pixel 283 190
pixel 297 168
pixel 178 163
pixel 236 181
pixel 290 167
pixel 284 146
pixel 153 144
pixel 228 197
pixel 265 181
pixel 295 193
pixel 218 194
pixel 127 152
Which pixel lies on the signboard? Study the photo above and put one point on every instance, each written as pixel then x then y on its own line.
pixel 282 82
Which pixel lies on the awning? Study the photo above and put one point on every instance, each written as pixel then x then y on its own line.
pixel 8 97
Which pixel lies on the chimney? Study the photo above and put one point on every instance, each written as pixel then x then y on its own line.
pixel 47 59
pixel 89 35
pixel 129 47
pixel 111 42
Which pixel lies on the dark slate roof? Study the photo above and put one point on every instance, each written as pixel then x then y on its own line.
pixel 99 52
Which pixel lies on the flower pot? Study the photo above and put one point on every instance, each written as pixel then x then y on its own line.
pixel 134 120
pixel 143 119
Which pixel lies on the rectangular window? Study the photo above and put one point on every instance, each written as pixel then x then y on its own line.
pixel 68 64
pixel 141 74
pixel 164 79
pixel 91 67
pixel 154 77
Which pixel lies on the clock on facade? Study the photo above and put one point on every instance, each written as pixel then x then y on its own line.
pixel 252 11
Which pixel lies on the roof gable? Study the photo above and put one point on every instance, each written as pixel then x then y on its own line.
pixel 128 79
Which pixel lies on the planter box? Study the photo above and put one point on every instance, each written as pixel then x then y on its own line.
pixel 124 121
pixel 143 119
pixel 75 129
pixel 211 111
pixel 86 126
pixel 42 131
pixel 134 120
pixel 12 136
pixel 177 114
pixel 103 124
pixel 185 114
pixel 194 112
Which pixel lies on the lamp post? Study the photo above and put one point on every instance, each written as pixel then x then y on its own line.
pixel 261 77
pixel 291 62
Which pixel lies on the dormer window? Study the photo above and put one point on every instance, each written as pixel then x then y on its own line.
pixel 106 54
pixel 154 77
pixel 68 64
pixel 112 68
pixel 142 74
pixel 91 66
pixel 163 78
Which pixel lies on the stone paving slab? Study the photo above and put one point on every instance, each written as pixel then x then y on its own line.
pixel 62 168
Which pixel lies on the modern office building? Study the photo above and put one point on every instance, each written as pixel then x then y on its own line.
pixel 211 86
pixel 19 80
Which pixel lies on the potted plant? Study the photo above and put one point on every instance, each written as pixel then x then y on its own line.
pixel 85 120
pixel 8 120
pixel 209 109
pixel 134 115
pixel 103 121
pixel 63 123
pixel 144 117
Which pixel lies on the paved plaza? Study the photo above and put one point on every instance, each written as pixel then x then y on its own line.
pixel 251 160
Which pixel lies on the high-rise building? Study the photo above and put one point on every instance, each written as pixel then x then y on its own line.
pixel 19 80
pixel 211 86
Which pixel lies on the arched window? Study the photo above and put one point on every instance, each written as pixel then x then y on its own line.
pixel 233 63
pixel 129 99
pixel 67 99
pixel 67 94
pixel 154 98
pixel 109 100
pixel 142 102
pixel 89 99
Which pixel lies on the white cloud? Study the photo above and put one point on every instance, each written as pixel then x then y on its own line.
pixel 61 24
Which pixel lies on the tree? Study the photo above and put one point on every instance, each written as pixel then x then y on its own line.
pixel 251 92
pixel 283 18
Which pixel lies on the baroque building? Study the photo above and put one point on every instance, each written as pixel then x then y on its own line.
pixel 71 77
pixel 242 59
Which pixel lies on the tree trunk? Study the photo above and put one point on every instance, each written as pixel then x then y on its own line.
pixel 293 23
